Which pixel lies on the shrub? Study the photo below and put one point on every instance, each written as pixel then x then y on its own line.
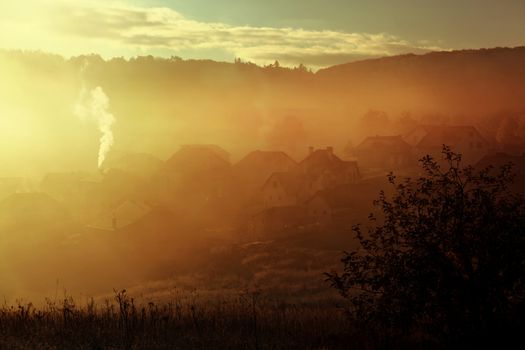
pixel 446 259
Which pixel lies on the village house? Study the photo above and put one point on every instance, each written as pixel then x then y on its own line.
pixel 200 174
pixel 138 229
pixel 345 205
pixel 282 190
pixel 116 186
pixel 137 219
pixel 199 160
pixel 123 215
pixel 320 170
pixel 328 206
pixel 429 139
pixel 215 149
pixel 324 164
pixel 252 171
pixel 198 181
pixel 384 152
pixel 497 160
pixel 288 191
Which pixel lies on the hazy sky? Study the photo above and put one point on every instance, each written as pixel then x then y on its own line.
pixel 315 32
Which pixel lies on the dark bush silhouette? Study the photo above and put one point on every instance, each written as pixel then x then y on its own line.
pixel 446 259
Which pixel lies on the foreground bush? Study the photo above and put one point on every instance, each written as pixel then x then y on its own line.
pixel 445 261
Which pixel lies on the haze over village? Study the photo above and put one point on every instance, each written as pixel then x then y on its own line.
pixel 262 175
pixel 169 196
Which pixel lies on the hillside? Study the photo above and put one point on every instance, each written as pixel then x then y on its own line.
pixel 160 104
pixel 467 81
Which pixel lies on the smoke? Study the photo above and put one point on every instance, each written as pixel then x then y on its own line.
pixel 95 107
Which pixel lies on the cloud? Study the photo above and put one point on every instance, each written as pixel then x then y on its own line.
pixel 127 28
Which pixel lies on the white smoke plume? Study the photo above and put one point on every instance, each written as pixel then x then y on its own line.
pixel 95 107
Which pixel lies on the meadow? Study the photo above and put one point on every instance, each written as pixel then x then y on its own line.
pixel 248 319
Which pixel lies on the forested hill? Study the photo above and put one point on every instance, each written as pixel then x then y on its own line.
pixel 464 81
pixel 162 103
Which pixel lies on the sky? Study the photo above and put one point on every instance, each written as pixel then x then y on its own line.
pixel 317 33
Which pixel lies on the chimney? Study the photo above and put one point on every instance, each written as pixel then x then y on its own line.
pixel 310 150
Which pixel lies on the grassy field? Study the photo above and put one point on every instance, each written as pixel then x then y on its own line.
pixel 269 295
pixel 189 320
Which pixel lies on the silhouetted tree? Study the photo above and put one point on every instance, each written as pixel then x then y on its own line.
pixel 302 68
pixel 446 259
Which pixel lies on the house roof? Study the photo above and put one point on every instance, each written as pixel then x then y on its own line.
pixel 221 152
pixel 384 143
pixel 124 214
pixel 437 135
pixel 309 169
pixel 322 160
pixel 255 168
pixel 264 158
pixel 197 159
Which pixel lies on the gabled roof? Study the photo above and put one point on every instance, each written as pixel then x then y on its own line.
pixel 126 213
pixel 197 159
pixel 437 135
pixel 311 168
pixel 254 169
pixel 323 160
pixel 384 143
pixel 259 157
pixel 221 152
